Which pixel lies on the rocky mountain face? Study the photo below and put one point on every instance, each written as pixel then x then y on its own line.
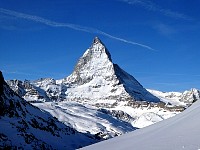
pixel 23 126
pixel 100 98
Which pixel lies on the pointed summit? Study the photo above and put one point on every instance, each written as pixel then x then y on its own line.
pixel 96 40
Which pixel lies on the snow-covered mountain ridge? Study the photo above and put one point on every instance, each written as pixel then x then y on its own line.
pixel 100 98
pixel 177 98
pixel 24 126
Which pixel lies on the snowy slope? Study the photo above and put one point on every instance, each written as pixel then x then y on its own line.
pixel 107 121
pixel 177 133
pixel 23 126
pixel 87 119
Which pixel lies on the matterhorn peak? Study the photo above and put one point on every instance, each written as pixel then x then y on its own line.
pixel 95 75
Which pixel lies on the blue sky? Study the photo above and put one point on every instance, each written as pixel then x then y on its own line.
pixel 155 41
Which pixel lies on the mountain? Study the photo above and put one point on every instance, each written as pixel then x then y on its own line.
pixel 95 76
pixel 176 133
pixel 23 126
pixel 100 98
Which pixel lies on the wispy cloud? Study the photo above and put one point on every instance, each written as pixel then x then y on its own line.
pixel 68 25
pixel 149 5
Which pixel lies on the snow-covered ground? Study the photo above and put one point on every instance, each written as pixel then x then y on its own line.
pixel 86 118
pixel 176 133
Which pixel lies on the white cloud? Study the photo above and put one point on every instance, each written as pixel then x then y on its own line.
pixel 67 25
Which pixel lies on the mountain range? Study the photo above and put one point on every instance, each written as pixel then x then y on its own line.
pixel 99 100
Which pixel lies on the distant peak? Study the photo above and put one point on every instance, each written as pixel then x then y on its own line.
pixel 96 40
